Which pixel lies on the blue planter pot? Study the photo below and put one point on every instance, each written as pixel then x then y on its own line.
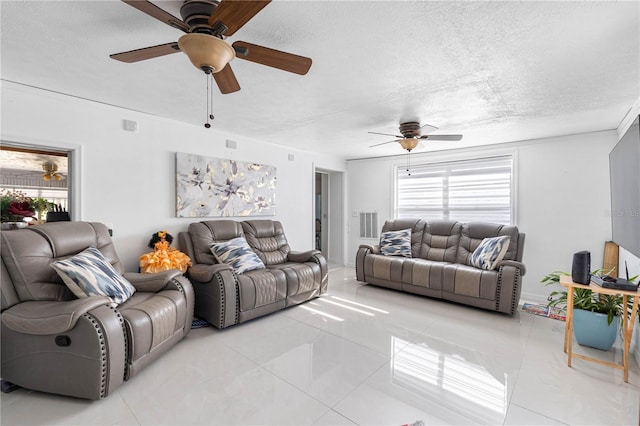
pixel 591 329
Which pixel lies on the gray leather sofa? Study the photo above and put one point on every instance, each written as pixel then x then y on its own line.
pixel 54 342
pixel 439 265
pixel 224 297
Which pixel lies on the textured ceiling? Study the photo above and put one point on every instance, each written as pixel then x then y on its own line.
pixel 493 71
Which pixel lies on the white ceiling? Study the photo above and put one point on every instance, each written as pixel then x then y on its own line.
pixel 493 71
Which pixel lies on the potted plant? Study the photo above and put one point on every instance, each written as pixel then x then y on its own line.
pixel 596 317
pixel 15 206
pixel 41 206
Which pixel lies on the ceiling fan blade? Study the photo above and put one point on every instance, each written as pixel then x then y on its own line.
pixel 273 58
pixel 160 14
pixel 235 13
pixel 146 53
pixel 427 128
pixel 442 137
pixel 383 143
pixel 226 80
pixel 386 134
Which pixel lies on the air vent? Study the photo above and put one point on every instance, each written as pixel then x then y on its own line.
pixel 369 225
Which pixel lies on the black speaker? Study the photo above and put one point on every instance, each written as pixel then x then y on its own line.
pixel 580 270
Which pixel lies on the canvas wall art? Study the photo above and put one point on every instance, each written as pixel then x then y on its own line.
pixel 215 187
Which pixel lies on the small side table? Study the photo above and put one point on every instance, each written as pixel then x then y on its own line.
pixel 628 321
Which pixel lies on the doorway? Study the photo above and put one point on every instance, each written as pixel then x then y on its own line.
pixel 322 213
pixel 328 215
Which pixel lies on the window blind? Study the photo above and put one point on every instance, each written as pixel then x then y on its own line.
pixel 466 191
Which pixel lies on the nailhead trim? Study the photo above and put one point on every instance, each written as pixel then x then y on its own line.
pixel 103 353
pixel 514 306
pixel 237 286
pixel 177 283
pixel 126 340
pixel 499 289
pixel 222 299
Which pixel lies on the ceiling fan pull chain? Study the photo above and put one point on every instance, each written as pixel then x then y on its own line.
pixel 408 162
pixel 207 125
pixel 211 113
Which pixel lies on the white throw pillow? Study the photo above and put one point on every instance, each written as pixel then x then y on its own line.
pixel 396 243
pixel 88 273
pixel 236 253
pixel 490 252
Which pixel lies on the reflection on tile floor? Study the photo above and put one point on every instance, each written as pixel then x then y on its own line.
pixel 360 355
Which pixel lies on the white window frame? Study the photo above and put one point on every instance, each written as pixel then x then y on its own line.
pixel 448 161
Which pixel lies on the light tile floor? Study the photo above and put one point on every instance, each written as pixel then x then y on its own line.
pixel 360 355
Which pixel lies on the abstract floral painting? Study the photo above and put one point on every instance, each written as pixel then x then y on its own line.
pixel 211 187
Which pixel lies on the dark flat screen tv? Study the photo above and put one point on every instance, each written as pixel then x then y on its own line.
pixel 624 166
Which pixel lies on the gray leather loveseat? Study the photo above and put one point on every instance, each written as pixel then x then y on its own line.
pixel 440 265
pixel 54 341
pixel 224 296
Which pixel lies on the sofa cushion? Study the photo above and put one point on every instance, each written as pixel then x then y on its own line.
pixel 153 318
pixel 440 240
pixel 88 273
pixel 467 281
pixel 261 287
pixel 396 243
pixel 236 253
pixel 423 273
pixel 490 252
pixel 301 277
pixel 267 239
pixel 202 234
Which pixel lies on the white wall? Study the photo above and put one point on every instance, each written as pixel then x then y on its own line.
pixel 562 202
pixel 128 179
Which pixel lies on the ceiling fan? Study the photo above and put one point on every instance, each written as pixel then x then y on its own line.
pixel 51 172
pixel 206 23
pixel 411 135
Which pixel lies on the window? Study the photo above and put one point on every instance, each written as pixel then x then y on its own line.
pixel 38 172
pixel 466 191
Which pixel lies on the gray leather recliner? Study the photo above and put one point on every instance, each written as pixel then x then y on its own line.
pixel 225 298
pixel 54 342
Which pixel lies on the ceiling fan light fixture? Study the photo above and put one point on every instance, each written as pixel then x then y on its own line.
pixel 409 143
pixel 51 172
pixel 206 52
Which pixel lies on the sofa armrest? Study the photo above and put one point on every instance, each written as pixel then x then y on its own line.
pixel 204 273
pixel 515 264
pixel 374 249
pixel 216 293
pixel 151 283
pixel 510 274
pixel 316 257
pixel 363 251
pixel 49 317
pixel 302 256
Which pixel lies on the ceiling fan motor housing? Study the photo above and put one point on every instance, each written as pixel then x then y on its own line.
pixel 196 13
pixel 410 129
